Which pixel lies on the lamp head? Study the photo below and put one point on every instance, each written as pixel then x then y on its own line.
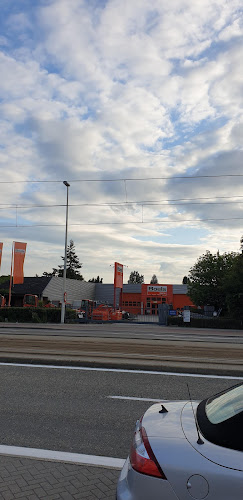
pixel 66 183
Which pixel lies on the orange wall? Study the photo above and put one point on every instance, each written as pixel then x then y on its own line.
pixel 131 302
pixel 181 300
pixel 145 294
pixel 132 299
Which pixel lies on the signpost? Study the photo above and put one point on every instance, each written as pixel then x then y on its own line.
pixel 172 312
pixel 186 316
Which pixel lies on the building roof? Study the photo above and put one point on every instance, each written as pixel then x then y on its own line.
pixel 179 289
pixel 132 288
pixel 31 285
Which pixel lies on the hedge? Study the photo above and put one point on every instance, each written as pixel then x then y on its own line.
pixel 228 323
pixel 35 315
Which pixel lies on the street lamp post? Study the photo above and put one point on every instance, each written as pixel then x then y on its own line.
pixel 65 261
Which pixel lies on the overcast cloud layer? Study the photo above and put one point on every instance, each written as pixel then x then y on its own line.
pixel 97 90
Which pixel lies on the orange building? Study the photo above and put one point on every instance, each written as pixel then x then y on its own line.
pixel 150 296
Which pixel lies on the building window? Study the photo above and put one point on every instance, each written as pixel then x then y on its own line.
pixel 130 303
pixel 126 303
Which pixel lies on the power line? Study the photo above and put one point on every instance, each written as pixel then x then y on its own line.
pixel 155 221
pixel 184 201
pixel 125 179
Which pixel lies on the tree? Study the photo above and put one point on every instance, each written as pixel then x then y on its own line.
pixel 96 280
pixel 207 279
pixel 154 280
pixel 185 280
pixel 73 265
pixel 234 288
pixel 54 272
pixel 135 277
pixel 4 279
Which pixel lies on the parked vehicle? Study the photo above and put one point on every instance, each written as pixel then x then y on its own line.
pixel 185 449
pixel 104 312
pixel 30 300
pixel 101 312
pixel 33 301
pixel 86 309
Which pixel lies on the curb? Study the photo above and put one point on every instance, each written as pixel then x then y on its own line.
pixel 124 366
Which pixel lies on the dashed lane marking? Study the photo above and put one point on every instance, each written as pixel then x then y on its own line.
pixel 137 399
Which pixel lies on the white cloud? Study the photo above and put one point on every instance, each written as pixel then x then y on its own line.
pixel 231 31
pixel 122 90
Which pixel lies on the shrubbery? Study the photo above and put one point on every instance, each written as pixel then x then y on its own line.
pixel 34 315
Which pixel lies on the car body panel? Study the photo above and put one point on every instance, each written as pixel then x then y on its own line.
pixel 180 461
pixel 225 457
pixel 192 470
pixel 135 486
pixel 164 424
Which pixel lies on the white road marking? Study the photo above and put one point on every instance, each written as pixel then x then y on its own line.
pixel 123 370
pixel 60 456
pixel 137 399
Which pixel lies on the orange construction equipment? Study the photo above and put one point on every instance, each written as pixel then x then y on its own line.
pixel 116 315
pixel 89 310
pixel 105 312
pixel 102 313
pixel 86 309
pixel 30 300
pixel 2 301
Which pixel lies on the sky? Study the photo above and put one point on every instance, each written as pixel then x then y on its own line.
pixel 138 105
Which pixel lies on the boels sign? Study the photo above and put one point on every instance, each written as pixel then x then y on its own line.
pixel 157 290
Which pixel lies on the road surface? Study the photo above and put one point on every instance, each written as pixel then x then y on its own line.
pixel 144 346
pixel 87 411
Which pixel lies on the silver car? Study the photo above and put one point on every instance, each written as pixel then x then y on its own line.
pixel 185 449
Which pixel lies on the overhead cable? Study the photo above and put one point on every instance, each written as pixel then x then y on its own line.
pixel 123 179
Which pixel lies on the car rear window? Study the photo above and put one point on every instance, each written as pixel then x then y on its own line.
pixel 220 418
pixel 221 408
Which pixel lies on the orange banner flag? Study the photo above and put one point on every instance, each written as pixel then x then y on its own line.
pixel 1 251
pixel 118 275
pixel 19 250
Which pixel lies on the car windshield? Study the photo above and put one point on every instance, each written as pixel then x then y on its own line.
pixel 84 303
pixel 225 406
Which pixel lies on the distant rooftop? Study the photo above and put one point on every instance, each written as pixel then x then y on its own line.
pixel 33 285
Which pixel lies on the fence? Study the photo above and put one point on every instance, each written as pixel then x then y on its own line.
pixel 146 318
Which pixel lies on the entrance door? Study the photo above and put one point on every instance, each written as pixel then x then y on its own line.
pixel 152 305
pixel 155 301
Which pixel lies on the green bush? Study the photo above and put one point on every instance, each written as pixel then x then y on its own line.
pixel 35 315
pixel 175 321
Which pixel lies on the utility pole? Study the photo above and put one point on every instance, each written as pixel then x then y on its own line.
pixel 64 296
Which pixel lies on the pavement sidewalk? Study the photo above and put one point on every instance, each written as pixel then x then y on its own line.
pixel 33 479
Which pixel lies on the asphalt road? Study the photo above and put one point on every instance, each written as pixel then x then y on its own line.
pixel 69 409
pixel 125 330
